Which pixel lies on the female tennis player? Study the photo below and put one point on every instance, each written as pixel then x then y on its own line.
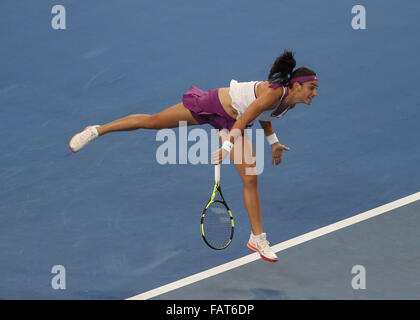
pixel 233 108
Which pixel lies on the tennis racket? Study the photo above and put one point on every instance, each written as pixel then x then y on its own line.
pixel 217 224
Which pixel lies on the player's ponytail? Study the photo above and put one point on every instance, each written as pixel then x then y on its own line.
pixel 282 68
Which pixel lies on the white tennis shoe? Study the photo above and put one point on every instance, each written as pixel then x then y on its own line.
pixel 260 244
pixel 81 139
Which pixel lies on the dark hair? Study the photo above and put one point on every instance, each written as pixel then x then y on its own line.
pixel 282 70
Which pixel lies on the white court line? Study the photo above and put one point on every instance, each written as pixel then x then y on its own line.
pixel 278 247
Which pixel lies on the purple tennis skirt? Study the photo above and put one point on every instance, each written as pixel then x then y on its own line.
pixel 205 107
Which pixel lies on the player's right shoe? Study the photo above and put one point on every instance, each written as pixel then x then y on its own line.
pixel 260 244
pixel 81 139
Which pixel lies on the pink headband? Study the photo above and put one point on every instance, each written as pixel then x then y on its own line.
pixel 303 79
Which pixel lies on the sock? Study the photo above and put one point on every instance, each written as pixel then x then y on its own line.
pixel 256 237
pixel 96 130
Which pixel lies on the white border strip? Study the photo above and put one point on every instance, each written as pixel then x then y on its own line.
pixel 278 247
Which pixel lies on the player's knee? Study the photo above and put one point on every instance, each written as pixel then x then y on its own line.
pixel 250 178
pixel 154 122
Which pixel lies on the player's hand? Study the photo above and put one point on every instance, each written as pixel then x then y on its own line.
pixel 218 156
pixel 277 152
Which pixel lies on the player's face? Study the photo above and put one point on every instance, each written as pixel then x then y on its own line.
pixel 308 91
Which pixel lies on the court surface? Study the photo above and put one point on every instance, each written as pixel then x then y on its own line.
pixel 322 267
pixel 121 224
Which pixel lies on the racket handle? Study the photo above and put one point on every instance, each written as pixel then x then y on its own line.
pixel 217 173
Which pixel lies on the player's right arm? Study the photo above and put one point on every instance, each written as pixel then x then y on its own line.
pixel 268 100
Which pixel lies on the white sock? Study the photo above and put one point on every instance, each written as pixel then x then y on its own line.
pixel 96 130
pixel 256 237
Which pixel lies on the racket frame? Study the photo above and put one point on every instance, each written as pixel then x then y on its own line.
pixel 217 189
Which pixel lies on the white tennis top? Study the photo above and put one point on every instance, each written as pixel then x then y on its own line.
pixel 244 93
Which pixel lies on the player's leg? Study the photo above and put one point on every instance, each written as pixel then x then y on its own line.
pixel 243 156
pixel 168 118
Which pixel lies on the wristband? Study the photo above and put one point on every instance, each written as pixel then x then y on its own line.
pixel 227 145
pixel 272 139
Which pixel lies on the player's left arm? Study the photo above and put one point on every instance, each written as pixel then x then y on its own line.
pixel 276 147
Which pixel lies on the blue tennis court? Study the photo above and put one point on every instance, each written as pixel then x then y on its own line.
pixel 373 259
pixel 121 224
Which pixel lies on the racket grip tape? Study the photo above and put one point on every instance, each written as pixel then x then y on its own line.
pixel 217 173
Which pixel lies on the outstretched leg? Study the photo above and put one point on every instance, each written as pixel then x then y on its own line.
pixel 168 118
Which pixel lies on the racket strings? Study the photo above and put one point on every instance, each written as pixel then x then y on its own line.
pixel 217 225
